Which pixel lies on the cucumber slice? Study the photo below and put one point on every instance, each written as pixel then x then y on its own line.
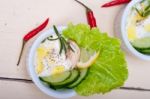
pixel 72 78
pixel 83 73
pixel 142 43
pixel 56 78
pixel 145 51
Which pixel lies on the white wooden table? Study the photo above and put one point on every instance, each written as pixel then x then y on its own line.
pixel 17 17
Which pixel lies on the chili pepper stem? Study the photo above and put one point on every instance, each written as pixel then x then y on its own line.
pixel 23 44
pixel 87 8
pixel 90 16
pixel 31 34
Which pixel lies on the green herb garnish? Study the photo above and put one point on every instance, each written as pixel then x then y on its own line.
pixel 69 47
pixel 145 11
pixel 63 43
pixel 52 39
pixel 43 41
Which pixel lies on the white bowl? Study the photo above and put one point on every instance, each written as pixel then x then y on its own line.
pixel 30 61
pixel 121 31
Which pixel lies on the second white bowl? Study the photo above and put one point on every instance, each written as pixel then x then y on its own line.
pixel 120 29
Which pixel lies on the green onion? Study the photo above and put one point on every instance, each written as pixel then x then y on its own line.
pixel 148 7
pixel 65 48
pixel 63 43
pixel 146 13
pixel 61 46
pixel 43 41
pixel 52 39
pixel 68 44
pixel 58 34
pixel 139 12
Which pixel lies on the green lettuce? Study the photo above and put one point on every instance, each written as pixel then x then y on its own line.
pixel 110 69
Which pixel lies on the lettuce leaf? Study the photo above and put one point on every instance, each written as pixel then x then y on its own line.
pixel 110 69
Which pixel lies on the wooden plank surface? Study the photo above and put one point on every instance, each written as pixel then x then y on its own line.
pixel 21 90
pixel 17 17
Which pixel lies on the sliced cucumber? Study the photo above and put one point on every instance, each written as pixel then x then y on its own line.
pixel 83 73
pixel 72 78
pixel 56 78
pixel 145 51
pixel 142 43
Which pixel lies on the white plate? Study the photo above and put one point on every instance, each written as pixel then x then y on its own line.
pixel 30 61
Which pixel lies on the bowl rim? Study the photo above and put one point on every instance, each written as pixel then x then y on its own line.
pixel 124 34
pixel 31 70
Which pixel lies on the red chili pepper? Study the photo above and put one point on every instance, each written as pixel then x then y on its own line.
pixel 31 34
pixel 91 19
pixel 36 30
pixel 90 16
pixel 115 2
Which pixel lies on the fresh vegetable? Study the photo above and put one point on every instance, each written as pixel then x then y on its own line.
pixel 31 34
pixel 73 77
pixel 143 8
pixel 115 2
pixel 109 71
pixel 67 79
pixel 63 43
pixel 56 78
pixel 83 73
pixel 144 51
pixel 90 16
pixel 143 43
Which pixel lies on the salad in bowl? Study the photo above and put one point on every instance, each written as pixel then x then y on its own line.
pixel 138 26
pixel 65 61
pixel 133 27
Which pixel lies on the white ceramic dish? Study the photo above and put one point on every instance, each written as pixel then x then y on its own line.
pixel 30 61
pixel 121 31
